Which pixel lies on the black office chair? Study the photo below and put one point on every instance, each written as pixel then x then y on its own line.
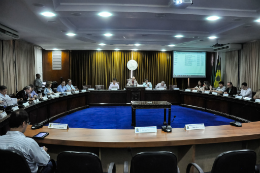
pixel 153 162
pixel 238 161
pixel 13 161
pixel 81 162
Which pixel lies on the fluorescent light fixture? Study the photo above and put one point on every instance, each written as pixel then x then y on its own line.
pixel 102 44
pixel 99 49
pixel 137 44
pixel 105 14
pixel 212 37
pixel 163 50
pixel 48 14
pixel 171 45
pixel 70 34
pixel 212 18
pixel 178 36
pixel 108 35
pixel 258 20
pixel 134 49
pixel 117 49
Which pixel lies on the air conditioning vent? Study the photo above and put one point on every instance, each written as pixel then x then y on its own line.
pixel 8 33
pixel 56 60
pixel 228 47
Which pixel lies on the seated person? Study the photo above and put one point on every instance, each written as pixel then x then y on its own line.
pixel 4 98
pixel 114 84
pixel 221 88
pixel 147 84
pixel 231 90
pixel 70 86
pixel 199 86
pixel 206 86
pixel 161 85
pixel 24 94
pixel 257 95
pixel 17 141
pixel 245 91
pixel 62 88
pixel 132 82
pixel 48 90
pixel 33 94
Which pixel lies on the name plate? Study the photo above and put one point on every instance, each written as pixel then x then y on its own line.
pixel 140 86
pixel 176 88
pixel 225 95
pixel 91 89
pixel 206 92
pixel 148 89
pixel 215 93
pixel 83 91
pixel 26 104
pixel 68 93
pixel 247 98
pixel 188 90
pixel 194 91
pixel 58 126
pixel 45 98
pixel 257 100
pixel 238 97
pixel 76 92
pixel 35 101
pixel 2 115
pixel 113 88
pixel 194 126
pixel 160 88
pixel 150 129
pixel 15 108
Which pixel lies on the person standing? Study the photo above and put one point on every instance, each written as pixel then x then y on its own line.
pixel 38 83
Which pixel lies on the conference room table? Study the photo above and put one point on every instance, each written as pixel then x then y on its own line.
pixel 113 145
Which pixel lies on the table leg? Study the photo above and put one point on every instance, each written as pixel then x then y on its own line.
pixel 164 122
pixel 169 117
pixel 132 117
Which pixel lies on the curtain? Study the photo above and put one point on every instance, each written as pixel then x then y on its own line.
pixel 100 67
pixel 231 68
pixel 250 65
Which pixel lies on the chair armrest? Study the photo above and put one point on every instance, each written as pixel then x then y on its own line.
pixel 256 169
pixel 195 165
pixel 112 168
pixel 126 167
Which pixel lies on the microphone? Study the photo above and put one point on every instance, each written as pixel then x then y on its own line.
pixel 168 127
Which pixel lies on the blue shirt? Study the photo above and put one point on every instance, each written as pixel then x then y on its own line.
pixel 150 85
pixel 61 89
pixel 47 91
pixel 33 93
pixel 70 87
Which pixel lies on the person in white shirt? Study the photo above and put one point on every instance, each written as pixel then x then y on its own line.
pixel 245 91
pixel 5 100
pixel 161 85
pixel 199 86
pixel 221 88
pixel 15 140
pixel 147 84
pixel 114 84
pixel 70 86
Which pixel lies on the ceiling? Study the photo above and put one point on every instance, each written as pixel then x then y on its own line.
pixel 151 23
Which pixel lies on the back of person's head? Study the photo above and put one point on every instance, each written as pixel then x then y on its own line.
pixel 17 118
pixel 244 83
pixel 221 82
pixel 2 87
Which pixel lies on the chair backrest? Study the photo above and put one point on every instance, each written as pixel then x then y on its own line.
pixel 171 87
pixel 154 162
pixel 13 161
pixel 78 162
pixel 238 161
pixel 99 87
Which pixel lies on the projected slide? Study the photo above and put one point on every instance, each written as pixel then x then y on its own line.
pixel 189 64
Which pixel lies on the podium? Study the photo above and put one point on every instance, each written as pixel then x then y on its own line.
pixel 135 93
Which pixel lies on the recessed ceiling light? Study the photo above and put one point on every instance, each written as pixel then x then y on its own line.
pixel 212 37
pixel 48 14
pixel 108 35
pixel 134 49
pixel 105 14
pixel 117 49
pixel 99 49
pixel 163 50
pixel 55 49
pixel 258 20
pixel 137 44
pixel 102 44
pixel 178 36
pixel 212 18
pixel 70 34
pixel 171 45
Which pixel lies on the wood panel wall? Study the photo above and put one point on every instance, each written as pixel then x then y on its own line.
pixel 55 75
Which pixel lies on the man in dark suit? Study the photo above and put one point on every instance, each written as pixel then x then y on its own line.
pixel 24 94
pixel 231 90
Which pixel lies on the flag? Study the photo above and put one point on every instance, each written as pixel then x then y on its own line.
pixel 218 74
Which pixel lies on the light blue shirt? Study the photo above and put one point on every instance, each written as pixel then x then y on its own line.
pixel 33 93
pixel 70 87
pixel 61 89
pixel 146 85
pixel 47 91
